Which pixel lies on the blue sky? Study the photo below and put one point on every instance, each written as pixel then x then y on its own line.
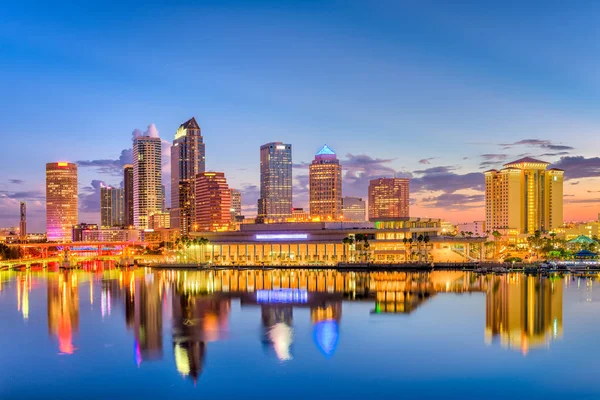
pixel 425 89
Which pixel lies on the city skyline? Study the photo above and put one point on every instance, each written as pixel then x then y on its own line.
pixel 494 96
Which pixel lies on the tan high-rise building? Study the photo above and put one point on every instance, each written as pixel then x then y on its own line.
pixel 523 197
pixel 147 176
pixel 353 209
pixel 236 204
pixel 213 202
pixel 325 181
pixel 61 200
pixel 275 202
pixel 388 198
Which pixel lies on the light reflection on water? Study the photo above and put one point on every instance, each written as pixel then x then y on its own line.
pixel 205 326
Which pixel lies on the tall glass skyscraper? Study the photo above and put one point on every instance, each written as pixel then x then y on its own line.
pixel 128 195
pixel 275 202
pixel 325 180
pixel 111 206
pixel 147 176
pixel 187 161
pixel 61 200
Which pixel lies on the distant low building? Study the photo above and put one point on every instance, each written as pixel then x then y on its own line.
pixel 475 228
pixel 353 209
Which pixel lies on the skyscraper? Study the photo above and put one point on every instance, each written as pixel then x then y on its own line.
pixel 128 195
pixel 213 202
pixel 353 209
pixel 388 198
pixel 275 202
pixel 23 221
pixel 236 204
pixel 187 160
pixel 111 206
pixel 147 175
pixel 524 197
pixel 325 180
pixel 61 200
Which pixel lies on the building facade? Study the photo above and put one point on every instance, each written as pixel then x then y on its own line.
pixel 23 220
pixel 62 200
pixel 353 209
pixel 475 228
pixel 188 159
pixel 236 204
pixel 128 195
pixel 112 204
pixel 213 202
pixel 161 220
pixel 523 197
pixel 147 176
pixel 275 202
pixel 389 198
pixel 325 181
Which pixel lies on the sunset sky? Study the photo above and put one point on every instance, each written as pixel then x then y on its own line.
pixel 436 91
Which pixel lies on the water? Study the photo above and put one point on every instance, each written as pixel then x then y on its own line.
pixel 114 334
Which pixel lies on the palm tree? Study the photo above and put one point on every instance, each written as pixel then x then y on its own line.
pixel 405 240
pixel 426 239
pixel 419 241
pixel 410 243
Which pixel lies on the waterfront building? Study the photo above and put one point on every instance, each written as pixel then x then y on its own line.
pixel 77 231
pixel 236 205
pixel 448 228
pixel 23 221
pixel 110 235
pixel 147 175
pixel 322 243
pixel 299 215
pixel 590 229
pixel 62 200
pixel 160 220
pixel 523 197
pixel 187 160
pixel 325 181
pixel 353 209
pixel 213 202
pixel 388 198
pixel 128 195
pixel 275 202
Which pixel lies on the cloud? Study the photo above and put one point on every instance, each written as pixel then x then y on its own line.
pixel 360 169
pixel 89 199
pixel 575 183
pixel 489 156
pixel 560 153
pixel 16 181
pixel 445 180
pixel 578 166
pixel 151 131
pixel 582 201
pixel 427 160
pixel 544 144
pixel 107 166
pixel 23 195
pixel 454 201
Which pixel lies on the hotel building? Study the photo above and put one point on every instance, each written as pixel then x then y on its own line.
pixel 188 159
pixel 275 202
pixel 325 180
pixel 388 198
pixel 523 197
pixel 128 195
pixel 111 206
pixel 236 204
pixel 213 202
pixel 147 175
pixel 353 209
pixel 61 200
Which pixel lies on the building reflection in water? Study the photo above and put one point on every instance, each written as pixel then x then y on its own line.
pixel 63 309
pixel 524 312
pixel 277 322
pixel 197 320
pixel 326 332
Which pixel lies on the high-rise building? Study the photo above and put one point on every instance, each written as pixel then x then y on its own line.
pixel 388 198
pixel 23 221
pixel 160 220
pixel 128 195
pixel 213 202
pixel 112 204
pixel 61 200
pixel 187 161
pixel 353 209
pixel 523 197
pixel 275 202
pixel 236 204
pixel 325 181
pixel 147 175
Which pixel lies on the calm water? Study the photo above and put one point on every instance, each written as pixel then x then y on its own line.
pixel 115 334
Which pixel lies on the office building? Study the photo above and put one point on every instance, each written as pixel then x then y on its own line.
pixel 213 202
pixel 325 181
pixel 23 221
pixel 78 230
pixel 112 205
pixel 353 209
pixel 236 204
pixel 160 220
pixel 388 198
pixel 523 197
pixel 187 161
pixel 275 202
pixel 128 195
pixel 147 175
pixel 61 200
pixel 299 215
